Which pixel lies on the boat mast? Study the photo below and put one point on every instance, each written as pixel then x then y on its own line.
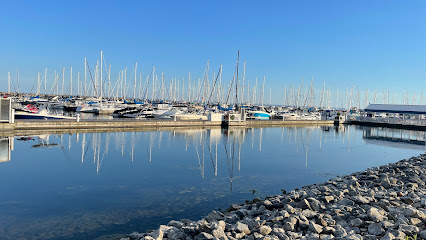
pixel 78 84
pixel 71 81
pixel 8 82
pixel 263 89
pixel 101 78
pixel 63 80
pixel 189 82
pixel 244 77
pixel 134 88
pixel 153 83
pixel 38 83
pixel 109 81
pixel 236 80
pixel 85 76
pixel 45 80
pixel 17 71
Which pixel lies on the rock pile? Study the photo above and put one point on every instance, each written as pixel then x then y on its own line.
pixel 386 202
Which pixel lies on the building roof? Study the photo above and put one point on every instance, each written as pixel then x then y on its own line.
pixel 396 108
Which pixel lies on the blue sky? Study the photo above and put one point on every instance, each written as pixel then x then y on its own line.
pixel 373 45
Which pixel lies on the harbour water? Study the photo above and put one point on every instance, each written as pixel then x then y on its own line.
pixel 96 185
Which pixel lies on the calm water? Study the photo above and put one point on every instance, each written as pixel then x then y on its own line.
pixel 88 185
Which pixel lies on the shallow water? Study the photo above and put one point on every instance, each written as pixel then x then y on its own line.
pixel 89 185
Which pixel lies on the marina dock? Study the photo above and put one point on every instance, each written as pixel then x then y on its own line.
pixel 135 124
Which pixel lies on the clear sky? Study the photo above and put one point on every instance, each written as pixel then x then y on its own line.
pixel 373 45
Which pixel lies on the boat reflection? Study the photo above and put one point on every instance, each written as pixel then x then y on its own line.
pixel 211 144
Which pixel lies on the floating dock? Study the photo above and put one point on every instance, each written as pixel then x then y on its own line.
pixel 134 124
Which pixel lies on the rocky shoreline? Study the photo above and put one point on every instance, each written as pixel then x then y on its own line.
pixel 386 202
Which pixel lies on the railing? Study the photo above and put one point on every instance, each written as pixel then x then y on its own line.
pixel 397 121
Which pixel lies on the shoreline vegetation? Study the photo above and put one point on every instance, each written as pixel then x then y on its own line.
pixel 386 202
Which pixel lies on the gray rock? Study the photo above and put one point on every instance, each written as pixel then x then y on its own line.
pixel 315 204
pixel 219 233
pixel 242 228
pixel 257 235
pixel 369 237
pixel 204 226
pixel 289 209
pixel 409 212
pixel 265 230
pixel 190 231
pixel 315 228
pixel 354 237
pixel 159 233
pixel 346 202
pixel 356 222
pixel 339 232
pixel 423 234
pixel 388 236
pixel 232 219
pixel 303 223
pixel 304 204
pixel 176 235
pixel 398 234
pixel 408 229
pixel 375 229
pixel 214 215
pixel 186 221
pixel 326 236
pixel 309 213
pixel 290 224
pixel 280 233
pixel 328 230
pixel 361 200
pixel 374 215
pixel 324 189
pixel 176 224
pixel 328 199
pixel 407 200
pixel 385 182
pixel 203 236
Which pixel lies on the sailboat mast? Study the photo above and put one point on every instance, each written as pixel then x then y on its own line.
pixel 153 83
pixel 38 83
pixel 8 82
pixel 63 80
pixel 134 88
pixel 101 77
pixel 71 81
pixel 85 76
pixel 78 84
pixel 45 81
pixel 236 80
pixel 263 89
pixel 189 82
pixel 109 81
pixel 244 78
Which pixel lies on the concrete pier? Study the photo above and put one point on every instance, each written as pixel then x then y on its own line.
pixel 126 124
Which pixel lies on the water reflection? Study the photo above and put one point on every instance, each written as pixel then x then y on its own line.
pixel 6 146
pixel 85 185
pixel 399 138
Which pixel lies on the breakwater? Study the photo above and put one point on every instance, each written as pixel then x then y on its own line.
pixel 386 202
